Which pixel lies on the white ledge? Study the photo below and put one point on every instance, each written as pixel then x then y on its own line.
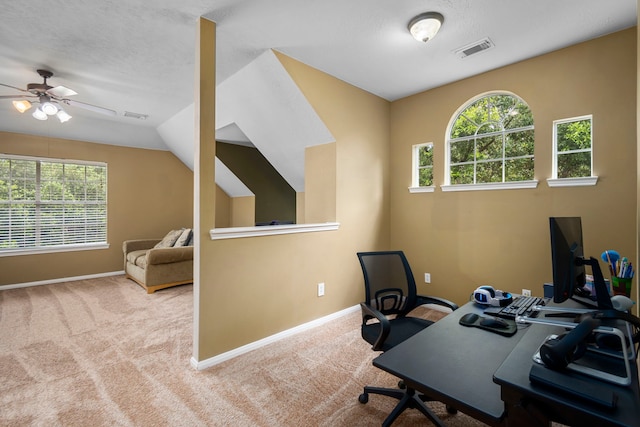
pixel 429 189
pixel 491 186
pixel 270 230
pixel 53 249
pixel 572 182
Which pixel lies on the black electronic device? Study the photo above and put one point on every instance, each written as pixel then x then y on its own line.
pixel 568 263
pixel 520 306
pixel 588 391
pixel 558 353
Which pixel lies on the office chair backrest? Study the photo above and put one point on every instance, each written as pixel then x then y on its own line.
pixel 389 284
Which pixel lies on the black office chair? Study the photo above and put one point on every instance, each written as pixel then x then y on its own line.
pixel 390 294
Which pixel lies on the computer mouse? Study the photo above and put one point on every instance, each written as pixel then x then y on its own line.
pixel 494 322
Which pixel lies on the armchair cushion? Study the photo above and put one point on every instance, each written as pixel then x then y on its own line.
pixel 169 239
pixel 184 238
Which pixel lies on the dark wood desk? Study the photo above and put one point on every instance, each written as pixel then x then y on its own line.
pixel 456 365
pixel 534 405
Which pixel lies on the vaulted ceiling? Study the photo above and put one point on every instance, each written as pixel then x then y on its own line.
pixel 138 56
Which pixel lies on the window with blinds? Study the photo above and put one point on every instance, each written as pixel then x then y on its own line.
pixel 51 203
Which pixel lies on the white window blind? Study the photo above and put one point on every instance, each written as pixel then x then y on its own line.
pixel 48 203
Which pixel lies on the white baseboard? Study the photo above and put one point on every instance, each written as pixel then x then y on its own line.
pixel 207 363
pixel 63 279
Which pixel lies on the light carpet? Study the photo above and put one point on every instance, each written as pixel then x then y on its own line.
pixel 102 352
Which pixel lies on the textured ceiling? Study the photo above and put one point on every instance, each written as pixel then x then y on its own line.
pixel 138 55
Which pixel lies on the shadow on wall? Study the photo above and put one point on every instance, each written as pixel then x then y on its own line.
pixel 275 200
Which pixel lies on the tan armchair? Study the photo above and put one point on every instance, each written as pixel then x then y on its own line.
pixel 157 268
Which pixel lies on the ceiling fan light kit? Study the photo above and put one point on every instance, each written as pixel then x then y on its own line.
pixel 63 116
pixel 39 114
pixel 22 105
pixel 50 100
pixel 47 106
pixel 425 26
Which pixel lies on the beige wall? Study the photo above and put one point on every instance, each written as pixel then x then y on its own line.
pixel 466 239
pixel 224 209
pixel 320 184
pixel 255 287
pixel 149 193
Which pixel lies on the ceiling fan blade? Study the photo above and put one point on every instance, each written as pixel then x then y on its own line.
pixel 89 107
pixel 13 87
pixel 16 96
pixel 61 92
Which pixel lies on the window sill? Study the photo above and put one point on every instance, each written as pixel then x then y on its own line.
pixel 429 189
pixel 572 182
pixel 53 249
pixel 490 186
pixel 270 230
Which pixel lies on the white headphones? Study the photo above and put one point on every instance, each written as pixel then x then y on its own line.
pixel 488 296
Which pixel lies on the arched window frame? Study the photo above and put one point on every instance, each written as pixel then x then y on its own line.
pixel 491 185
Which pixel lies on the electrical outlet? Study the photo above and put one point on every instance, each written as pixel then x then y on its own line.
pixel 321 289
pixel 526 292
pixel 427 277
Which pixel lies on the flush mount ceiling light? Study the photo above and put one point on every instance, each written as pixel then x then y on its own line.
pixel 425 26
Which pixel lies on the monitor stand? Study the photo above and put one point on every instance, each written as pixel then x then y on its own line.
pixel 587 302
pixel 602 293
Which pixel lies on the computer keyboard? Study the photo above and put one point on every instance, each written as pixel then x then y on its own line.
pixel 520 306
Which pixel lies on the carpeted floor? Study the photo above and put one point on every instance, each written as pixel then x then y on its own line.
pixel 102 352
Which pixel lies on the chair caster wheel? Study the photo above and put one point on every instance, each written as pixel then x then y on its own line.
pixel 363 398
pixel 401 385
pixel 451 410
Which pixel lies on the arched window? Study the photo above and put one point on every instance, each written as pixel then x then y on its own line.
pixel 490 140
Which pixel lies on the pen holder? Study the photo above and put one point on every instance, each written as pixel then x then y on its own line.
pixel 621 286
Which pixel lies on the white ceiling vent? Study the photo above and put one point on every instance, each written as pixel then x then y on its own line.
pixel 136 115
pixel 474 48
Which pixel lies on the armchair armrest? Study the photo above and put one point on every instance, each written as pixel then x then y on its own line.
pixel 423 299
pixel 369 313
pixel 137 245
pixel 169 255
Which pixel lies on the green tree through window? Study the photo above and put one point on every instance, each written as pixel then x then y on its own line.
pixel 572 147
pixel 51 203
pixel 423 165
pixel 491 140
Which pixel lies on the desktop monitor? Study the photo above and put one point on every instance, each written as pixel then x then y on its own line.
pixel 566 256
pixel 568 264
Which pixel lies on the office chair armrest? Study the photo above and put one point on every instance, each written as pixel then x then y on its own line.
pixel 422 299
pixel 369 313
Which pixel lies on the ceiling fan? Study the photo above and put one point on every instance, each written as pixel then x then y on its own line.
pixel 50 100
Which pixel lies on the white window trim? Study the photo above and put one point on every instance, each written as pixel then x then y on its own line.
pixel 447 186
pixel 429 189
pixel 517 185
pixel 415 175
pixel 572 182
pixel 54 249
pixel 554 181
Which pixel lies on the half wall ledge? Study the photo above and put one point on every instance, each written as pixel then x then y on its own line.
pixel 270 230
